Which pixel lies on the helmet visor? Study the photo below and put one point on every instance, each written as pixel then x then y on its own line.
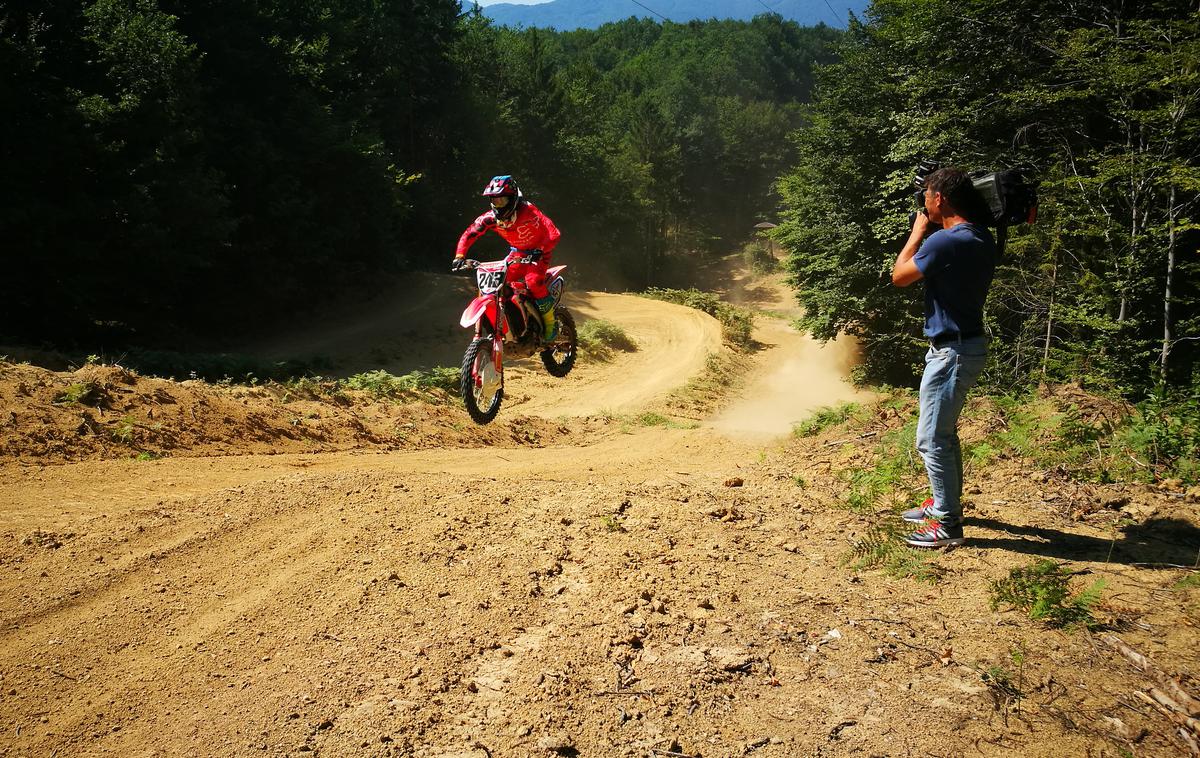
pixel 500 201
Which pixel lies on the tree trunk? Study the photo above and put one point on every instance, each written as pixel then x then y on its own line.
pixel 1166 343
pixel 1050 315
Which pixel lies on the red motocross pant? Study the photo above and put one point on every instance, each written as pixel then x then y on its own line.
pixel 533 274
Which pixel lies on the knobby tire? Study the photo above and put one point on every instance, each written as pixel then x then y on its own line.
pixel 467 383
pixel 560 367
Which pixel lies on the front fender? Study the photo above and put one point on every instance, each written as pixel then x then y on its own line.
pixel 482 306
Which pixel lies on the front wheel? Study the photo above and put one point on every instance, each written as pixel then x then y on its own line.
pixel 559 356
pixel 482 386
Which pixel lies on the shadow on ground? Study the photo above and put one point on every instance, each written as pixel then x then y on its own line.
pixel 1156 542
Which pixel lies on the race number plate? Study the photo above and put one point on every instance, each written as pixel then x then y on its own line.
pixel 489 281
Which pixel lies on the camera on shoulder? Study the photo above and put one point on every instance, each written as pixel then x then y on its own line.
pixel 1009 196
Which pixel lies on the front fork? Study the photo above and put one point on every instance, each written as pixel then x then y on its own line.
pixel 497 339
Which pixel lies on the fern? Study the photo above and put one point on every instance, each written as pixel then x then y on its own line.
pixel 1042 589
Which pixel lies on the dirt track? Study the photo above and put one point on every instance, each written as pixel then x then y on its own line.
pixel 626 595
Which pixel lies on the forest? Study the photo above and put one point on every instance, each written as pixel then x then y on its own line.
pixel 174 171
pixel 1100 99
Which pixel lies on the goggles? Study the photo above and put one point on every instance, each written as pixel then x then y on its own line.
pixel 500 201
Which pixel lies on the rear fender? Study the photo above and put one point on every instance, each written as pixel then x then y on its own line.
pixel 483 306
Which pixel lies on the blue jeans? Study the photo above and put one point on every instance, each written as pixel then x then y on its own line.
pixel 950 371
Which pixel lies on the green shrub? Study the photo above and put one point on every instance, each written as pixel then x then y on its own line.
pixel 82 393
pixel 895 463
pixel 381 384
pixel 1158 438
pixel 600 338
pixel 758 258
pixel 737 324
pixel 823 418
pixel 124 429
pixel 1165 436
pixel 1042 589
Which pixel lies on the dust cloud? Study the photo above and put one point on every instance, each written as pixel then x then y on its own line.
pixel 797 374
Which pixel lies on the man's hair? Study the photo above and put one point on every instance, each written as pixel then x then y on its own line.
pixel 959 191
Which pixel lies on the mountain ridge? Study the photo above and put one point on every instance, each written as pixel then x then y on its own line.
pixel 588 14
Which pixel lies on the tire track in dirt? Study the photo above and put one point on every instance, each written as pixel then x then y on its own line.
pixel 158 621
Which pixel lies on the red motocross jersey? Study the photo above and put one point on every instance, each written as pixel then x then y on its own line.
pixel 529 229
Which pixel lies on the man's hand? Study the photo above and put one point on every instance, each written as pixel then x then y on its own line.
pixel 458 264
pixel 921 224
pixel 905 272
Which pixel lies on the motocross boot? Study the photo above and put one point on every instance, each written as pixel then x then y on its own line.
pixel 545 306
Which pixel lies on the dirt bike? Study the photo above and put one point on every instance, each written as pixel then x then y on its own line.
pixel 505 318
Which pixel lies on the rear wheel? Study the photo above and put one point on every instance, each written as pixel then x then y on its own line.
pixel 482 386
pixel 559 357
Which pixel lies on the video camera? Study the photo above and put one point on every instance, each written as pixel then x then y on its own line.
pixel 1009 196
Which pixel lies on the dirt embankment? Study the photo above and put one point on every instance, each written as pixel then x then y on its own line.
pixel 607 590
pixel 109 412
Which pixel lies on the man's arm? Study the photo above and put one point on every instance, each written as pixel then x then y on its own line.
pixel 476 230
pixel 550 231
pixel 905 272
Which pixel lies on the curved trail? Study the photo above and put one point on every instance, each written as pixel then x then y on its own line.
pixel 794 375
pixel 673 341
pixel 432 603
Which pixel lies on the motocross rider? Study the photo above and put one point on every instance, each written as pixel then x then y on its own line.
pixel 529 233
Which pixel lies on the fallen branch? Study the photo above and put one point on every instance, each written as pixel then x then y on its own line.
pixel 1176 709
pixel 1188 737
pixel 1181 700
pixel 852 439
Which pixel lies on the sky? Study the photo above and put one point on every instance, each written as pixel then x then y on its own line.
pixel 514 2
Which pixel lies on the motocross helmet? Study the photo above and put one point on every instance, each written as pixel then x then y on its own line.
pixel 504 194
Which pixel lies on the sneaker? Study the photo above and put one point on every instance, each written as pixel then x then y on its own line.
pixel 919 515
pixel 934 533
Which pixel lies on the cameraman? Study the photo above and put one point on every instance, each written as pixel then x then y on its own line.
pixel 957 262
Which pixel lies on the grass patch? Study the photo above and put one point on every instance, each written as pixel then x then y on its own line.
pixel 737 324
pixel 383 385
pixel 1189 582
pixel 600 338
pixel 1043 590
pixel 705 391
pixel 649 418
pixel 627 423
pixel 823 418
pixel 1095 438
pixel 82 393
pixel 215 367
